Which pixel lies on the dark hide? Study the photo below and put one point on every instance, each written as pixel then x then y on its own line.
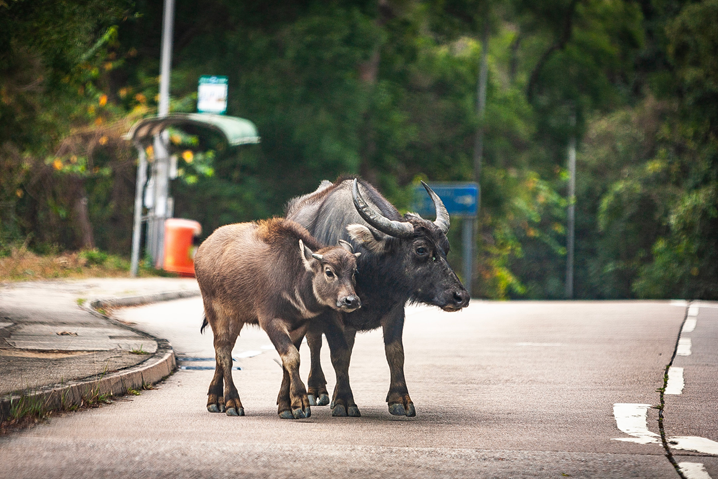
pixel 391 271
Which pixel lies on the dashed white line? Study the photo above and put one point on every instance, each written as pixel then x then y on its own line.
pixel 693 310
pixel 689 325
pixel 694 470
pixel 675 381
pixel 684 347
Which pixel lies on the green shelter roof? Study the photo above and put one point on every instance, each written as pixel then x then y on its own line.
pixel 236 131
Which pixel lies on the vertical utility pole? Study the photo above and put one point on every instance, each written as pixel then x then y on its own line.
pixel 481 102
pixel 160 168
pixel 470 225
pixel 571 205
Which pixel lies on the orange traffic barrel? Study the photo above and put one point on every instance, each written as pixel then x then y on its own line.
pixel 180 245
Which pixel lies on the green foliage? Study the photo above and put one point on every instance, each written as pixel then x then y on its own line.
pixel 386 90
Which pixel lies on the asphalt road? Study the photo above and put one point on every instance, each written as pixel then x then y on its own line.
pixel 512 389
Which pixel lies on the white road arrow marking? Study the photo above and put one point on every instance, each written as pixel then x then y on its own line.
pixel 632 419
pixel 694 470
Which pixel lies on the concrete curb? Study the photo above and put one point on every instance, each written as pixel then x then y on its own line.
pixel 70 395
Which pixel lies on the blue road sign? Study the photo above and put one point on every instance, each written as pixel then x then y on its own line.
pixel 460 199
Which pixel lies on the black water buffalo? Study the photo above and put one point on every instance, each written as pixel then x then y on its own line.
pixel 403 259
pixel 271 273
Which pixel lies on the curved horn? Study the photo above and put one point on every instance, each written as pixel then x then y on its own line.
pixel 399 229
pixel 442 216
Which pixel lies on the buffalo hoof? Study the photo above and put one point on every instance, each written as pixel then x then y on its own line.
pixel 339 411
pixel 213 408
pixel 235 411
pixel 310 398
pixel 286 414
pixel 323 400
pixel 299 414
pixel 353 411
pixel 397 410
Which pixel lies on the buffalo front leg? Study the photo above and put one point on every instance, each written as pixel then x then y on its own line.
pixel 298 405
pixel 284 401
pixel 341 343
pixel 317 383
pixel 398 399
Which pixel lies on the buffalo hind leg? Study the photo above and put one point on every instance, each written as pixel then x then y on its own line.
pixel 340 345
pixel 222 340
pixel 298 406
pixel 223 354
pixel 317 383
pixel 215 395
pixel 398 399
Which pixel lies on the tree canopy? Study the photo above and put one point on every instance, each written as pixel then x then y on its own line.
pixel 386 89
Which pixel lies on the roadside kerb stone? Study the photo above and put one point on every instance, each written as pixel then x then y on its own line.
pixel 68 395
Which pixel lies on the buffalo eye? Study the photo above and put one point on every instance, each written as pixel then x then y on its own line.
pixel 329 273
pixel 422 251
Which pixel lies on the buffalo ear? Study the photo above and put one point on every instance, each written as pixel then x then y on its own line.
pixel 308 255
pixel 364 236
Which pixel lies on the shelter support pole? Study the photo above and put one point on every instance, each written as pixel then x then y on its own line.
pixel 161 172
pixel 137 223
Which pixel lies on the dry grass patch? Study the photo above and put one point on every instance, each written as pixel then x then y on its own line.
pixel 21 264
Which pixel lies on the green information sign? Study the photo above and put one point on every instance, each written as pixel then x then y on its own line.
pixel 212 94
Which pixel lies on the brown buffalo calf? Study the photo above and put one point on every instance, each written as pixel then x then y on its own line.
pixel 275 274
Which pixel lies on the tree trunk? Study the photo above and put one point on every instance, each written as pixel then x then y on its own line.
pixel 82 217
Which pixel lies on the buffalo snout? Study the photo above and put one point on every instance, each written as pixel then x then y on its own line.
pixel 456 300
pixel 349 303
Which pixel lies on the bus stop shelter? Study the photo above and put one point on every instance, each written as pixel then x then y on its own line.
pixel 234 131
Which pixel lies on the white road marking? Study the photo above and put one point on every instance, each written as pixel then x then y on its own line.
pixel 632 419
pixel 684 347
pixel 675 381
pixel 693 310
pixel 693 470
pixel 689 325
pixel 540 344
pixel 679 302
pixel 693 443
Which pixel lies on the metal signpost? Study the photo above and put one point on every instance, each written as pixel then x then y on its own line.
pixel 461 201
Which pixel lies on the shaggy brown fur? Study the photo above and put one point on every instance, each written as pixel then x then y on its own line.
pixel 271 273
